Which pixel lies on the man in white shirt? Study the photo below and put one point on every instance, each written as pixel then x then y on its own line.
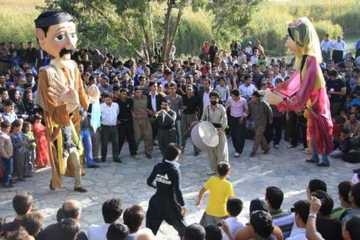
pixel 109 114
pixel 339 47
pixel 301 209
pixel 111 210
pixel 326 45
pixel 247 88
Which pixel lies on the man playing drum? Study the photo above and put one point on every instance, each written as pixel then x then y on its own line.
pixel 216 114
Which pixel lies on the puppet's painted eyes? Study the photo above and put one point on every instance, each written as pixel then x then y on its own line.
pixel 60 37
pixel 73 35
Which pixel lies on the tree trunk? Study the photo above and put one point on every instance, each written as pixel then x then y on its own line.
pixel 173 33
pixel 167 22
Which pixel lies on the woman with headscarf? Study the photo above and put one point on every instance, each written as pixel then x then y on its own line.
pixel 306 89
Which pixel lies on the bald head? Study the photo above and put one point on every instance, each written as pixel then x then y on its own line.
pixel 72 209
pixel 145 234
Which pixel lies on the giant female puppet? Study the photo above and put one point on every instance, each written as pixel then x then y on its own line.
pixel 306 89
pixel 61 94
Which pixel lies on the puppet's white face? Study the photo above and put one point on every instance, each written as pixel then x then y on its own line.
pixel 59 37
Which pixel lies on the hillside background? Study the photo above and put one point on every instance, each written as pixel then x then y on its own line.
pixel 268 23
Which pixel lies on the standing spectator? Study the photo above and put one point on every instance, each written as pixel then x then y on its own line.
pixel 111 211
pixel 141 121
pixel 238 113
pixel 30 149
pixel 261 113
pixel 191 105
pixel 109 115
pixel 213 50
pixel 223 89
pixel 326 45
pixel 153 105
pixel 338 47
pixel 42 151
pixel 220 190
pixel 337 91
pixel 175 102
pixel 247 88
pixel 166 120
pixel 86 139
pixel 19 143
pixel 125 119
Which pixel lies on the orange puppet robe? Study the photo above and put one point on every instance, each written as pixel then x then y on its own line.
pixel 56 113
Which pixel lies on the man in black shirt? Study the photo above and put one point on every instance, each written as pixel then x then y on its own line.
pixel 165 121
pixel 167 203
pixel 337 91
pixel 191 104
pixel 125 122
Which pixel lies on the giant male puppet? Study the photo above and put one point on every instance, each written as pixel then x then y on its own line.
pixel 61 95
pixel 306 89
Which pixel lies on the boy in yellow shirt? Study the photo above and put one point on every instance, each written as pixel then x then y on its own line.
pixel 220 190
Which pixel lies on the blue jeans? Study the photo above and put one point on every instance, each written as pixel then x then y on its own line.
pixel 8 169
pixel 86 140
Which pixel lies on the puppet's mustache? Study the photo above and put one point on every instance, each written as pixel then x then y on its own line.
pixel 65 51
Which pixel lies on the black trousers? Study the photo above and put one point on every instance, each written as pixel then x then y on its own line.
pixel 238 133
pixel 126 130
pixel 278 123
pixel 293 129
pixel 154 127
pixel 161 208
pixel 109 133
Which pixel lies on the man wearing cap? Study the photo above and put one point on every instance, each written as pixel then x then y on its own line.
pixel 61 94
pixel 216 114
pixel 261 114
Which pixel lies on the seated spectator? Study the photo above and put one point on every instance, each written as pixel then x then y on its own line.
pixel 213 232
pixel 260 227
pixel 344 189
pixel 133 218
pixel 194 232
pixel 111 211
pixel 33 223
pixel 117 231
pixel 314 185
pixel 349 146
pixel 353 124
pixel 256 205
pixel 329 228
pixel 355 204
pixel 22 204
pixel 285 220
pixel 234 207
pixel 68 228
pixel 301 210
pixel 19 234
pixel 352 229
pixel 145 234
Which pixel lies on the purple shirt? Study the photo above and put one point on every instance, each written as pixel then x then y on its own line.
pixel 238 108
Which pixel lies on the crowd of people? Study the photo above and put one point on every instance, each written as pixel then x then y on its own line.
pixel 159 103
pixel 314 218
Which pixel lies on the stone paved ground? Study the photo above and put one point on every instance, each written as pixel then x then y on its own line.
pixel 284 168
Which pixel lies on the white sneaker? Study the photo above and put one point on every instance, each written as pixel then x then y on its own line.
pixel 236 154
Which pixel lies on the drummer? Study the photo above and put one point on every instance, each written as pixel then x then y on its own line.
pixel 216 114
